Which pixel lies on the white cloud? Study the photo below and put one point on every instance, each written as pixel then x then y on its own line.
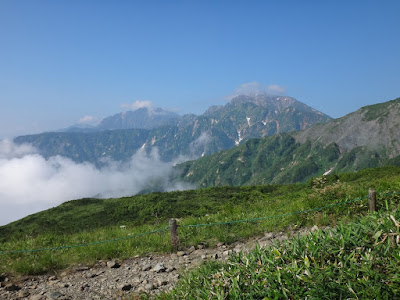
pixel 9 150
pixel 199 146
pixel 89 120
pixel 31 183
pixel 255 88
pixel 137 104
pixel 248 89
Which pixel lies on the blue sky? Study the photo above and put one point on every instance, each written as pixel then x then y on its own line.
pixel 63 60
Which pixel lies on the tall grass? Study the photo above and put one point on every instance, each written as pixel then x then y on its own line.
pixel 359 260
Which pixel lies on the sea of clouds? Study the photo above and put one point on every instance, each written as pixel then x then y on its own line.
pixel 30 183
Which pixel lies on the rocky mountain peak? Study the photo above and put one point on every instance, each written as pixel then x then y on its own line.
pixel 264 100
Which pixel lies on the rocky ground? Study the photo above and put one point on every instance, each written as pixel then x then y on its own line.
pixel 150 274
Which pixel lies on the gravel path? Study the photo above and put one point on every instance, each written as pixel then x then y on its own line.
pixel 118 280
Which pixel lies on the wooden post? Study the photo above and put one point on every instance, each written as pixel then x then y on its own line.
pixel 173 229
pixel 372 199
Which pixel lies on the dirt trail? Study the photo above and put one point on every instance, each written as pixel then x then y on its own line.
pixel 116 280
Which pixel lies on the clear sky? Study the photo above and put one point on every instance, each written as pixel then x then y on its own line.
pixel 63 60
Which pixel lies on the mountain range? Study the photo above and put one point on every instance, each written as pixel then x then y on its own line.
pixel 189 136
pixel 251 140
pixel 369 137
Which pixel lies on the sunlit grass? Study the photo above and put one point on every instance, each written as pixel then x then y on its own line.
pixel 357 260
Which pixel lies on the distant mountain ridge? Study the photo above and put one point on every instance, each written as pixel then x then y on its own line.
pixel 369 137
pixel 191 136
pixel 142 118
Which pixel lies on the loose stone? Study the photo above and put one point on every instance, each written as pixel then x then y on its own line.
pixel 12 287
pixel 162 282
pixel 113 264
pixel 191 250
pixel 146 268
pixel 149 287
pixel 23 294
pixel 82 268
pixel 159 268
pixel 36 297
pixel 125 287
pixel 55 295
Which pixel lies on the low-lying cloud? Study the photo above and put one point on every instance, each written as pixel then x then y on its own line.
pixel 30 183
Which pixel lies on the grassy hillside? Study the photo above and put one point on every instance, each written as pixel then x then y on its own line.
pixel 92 220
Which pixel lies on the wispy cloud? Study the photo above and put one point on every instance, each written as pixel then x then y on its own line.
pixel 199 146
pixel 30 183
pixel 256 88
pixel 89 120
pixel 137 105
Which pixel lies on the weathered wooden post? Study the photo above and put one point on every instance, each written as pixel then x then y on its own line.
pixel 372 199
pixel 173 229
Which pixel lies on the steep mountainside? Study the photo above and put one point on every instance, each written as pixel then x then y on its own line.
pixel 192 136
pixel 369 137
pixel 376 127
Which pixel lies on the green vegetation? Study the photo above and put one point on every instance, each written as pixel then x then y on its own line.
pixel 359 260
pixel 93 220
pixel 278 159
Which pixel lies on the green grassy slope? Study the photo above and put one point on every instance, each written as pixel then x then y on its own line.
pixel 93 220
pixel 91 214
